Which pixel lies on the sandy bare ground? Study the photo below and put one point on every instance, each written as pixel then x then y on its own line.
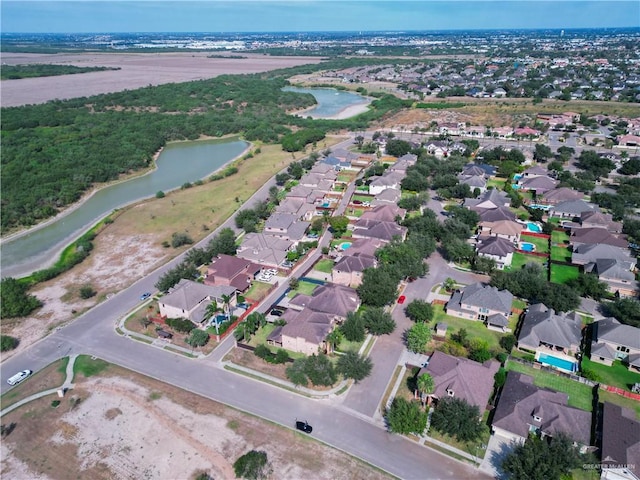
pixel 136 70
pixel 135 427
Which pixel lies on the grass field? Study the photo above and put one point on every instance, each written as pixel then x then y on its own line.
pixel 89 366
pixel 257 290
pixel 580 395
pixel 561 238
pixel 51 376
pixel 497 183
pixel 563 273
pixel 521 259
pixel 617 375
pixel 325 265
pixel 629 403
pixel 542 244
pixel 306 288
pixel 474 328
pixel 560 254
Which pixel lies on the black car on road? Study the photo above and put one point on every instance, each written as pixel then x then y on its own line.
pixel 304 426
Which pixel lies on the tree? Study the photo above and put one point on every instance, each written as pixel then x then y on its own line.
pixel 406 417
pixel 626 310
pixel 352 365
pixel 455 417
pixel 483 264
pixel 339 225
pixel 294 283
pixel 179 239
pixel 223 243
pixel 253 465
pixel 458 250
pixel 508 342
pixel 8 342
pixel 540 459
pixel 589 285
pixel 378 322
pixel 353 327
pixel 320 370
pixel 542 153
pixel 379 286
pixel 334 338
pixel 449 284
pixel 296 372
pixel 317 224
pixel 417 337
pixel 419 311
pixel 198 338
pixel 14 299
pixel 398 148
pixel 87 291
pixel 425 386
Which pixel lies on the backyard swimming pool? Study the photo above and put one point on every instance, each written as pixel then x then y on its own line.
pixel 534 227
pixel 527 247
pixel 557 362
pixel 541 207
pixel 345 245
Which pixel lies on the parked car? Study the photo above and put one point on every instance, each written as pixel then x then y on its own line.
pixel 401 299
pixel 145 295
pixel 18 377
pixel 304 426
pixel 276 312
pixel 357 202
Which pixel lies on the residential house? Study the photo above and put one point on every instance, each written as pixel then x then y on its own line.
pixel 348 270
pixel 489 200
pixel 619 443
pixel 539 185
pixel 584 254
pixel 308 194
pixel 502 132
pixel 365 246
pixel 286 226
pixel 474 181
pixel 596 219
pixel 461 378
pixel 498 249
pixel 629 141
pixel 612 340
pixel 506 229
pixel 189 299
pixel 438 148
pixel 390 180
pixel 535 171
pixel 572 208
pixel 318 181
pixel 231 271
pixel 386 231
pixel 384 213
pixel 297 207
pixel 336 163
pixel 524 409
pixel 389 196
pixel 559 195
pixel 617 274
pixel 590 236
pixel 337 300
pixel 305 331
pixel 526 132
pixel 496 215
pixel 479 302
pixel 266 250
pixel 543 330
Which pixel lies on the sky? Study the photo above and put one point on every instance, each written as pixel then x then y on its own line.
pixel 101 16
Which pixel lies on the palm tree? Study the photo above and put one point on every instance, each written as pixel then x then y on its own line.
pixel 425 386
pixel 211 311
pixel 226 299
pixel 334 338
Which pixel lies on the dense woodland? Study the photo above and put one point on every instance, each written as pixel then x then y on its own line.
pixel 14 72
pixel 53 153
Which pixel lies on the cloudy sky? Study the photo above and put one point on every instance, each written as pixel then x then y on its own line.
pixel 51 16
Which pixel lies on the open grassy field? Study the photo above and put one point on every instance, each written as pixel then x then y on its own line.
pixel 325 265
pixel 580 395
pixel 521 259
pixel 474 328
pixel 563 273
pixel 51 376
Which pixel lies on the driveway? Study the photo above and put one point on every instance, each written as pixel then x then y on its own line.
pixel 497 449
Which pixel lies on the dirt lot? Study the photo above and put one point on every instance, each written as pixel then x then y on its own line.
pixel 129 426
pixel 136 70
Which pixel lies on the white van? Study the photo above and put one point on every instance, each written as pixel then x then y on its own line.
pixel 18 377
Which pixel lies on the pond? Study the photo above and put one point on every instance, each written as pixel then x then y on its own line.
pixel 331 102
pixel 178 163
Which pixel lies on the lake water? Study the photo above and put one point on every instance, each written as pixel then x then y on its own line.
pixel 177 164
pixel 330 101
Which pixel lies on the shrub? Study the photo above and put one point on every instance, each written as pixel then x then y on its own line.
pixel 198 338
pixel 14 299
pixel 252 465
pixel 508 342
pixel 281 356
pixel 178 239
pixel 181 325
pixel 262 351
pixel 159 194
pixel 87 292
pixel 8 343
pixel 55 403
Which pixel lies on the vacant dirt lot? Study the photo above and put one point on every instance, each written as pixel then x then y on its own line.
pixel 136 70
pixel 129 426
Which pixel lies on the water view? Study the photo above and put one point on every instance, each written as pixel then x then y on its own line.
pixel 330 101
pixel 178 163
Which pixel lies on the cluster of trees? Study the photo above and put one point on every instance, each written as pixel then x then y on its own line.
pixel 182 325
pixel 419 334
pixel 249 218
pixel 461 345
pixel 627 197
pixel 12 72
pixel 319 370
pixel 224 242
pixel 8 342
pixel 249 326
pixel 265 353
pixel 406 417
pixel 295 142
pixel 530 283
pixel 374 320
pixel 456 418
pixel 627 310
pixel 15 301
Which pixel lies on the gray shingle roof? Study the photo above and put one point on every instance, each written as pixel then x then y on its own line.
pixel 330 298
pixel 620 437
pixel 496 214
pixel 520 399
pixel 575 207
pixel 587 253
pixel 598 235
pixel 543 325
pixel 187 294
pixel 308 324
pixel 615 269
pixel 613 331
pixel 486 296
pixel 562 194
pixel 498 246
pixel 354 263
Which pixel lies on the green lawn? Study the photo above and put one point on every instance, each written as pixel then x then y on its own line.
pixel 519 304
pixel 563 273
pixel 559 237
pixel 257 290
pixel 474 328
pixel 617 375
pixel 521 259
pixel 625 402
pixel 497 183
pixel 362 198
pixel 347 346
pixel 324 265
pixel 355 212
pixel 542 244
pixel 560 254
pixel 580 395
pixel 261 335
pixel 306 288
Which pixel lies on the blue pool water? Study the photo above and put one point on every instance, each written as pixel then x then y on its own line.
pixel 515 186
pixel 541 207
pixel 345 245
pixel 533 227
pixel 325 204
pixel 527 247
pixel 517 176
pixel 559 363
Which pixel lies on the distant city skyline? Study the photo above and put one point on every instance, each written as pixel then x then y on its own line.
pixel 99 16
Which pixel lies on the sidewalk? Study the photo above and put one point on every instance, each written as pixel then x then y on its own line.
pixel 67 385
